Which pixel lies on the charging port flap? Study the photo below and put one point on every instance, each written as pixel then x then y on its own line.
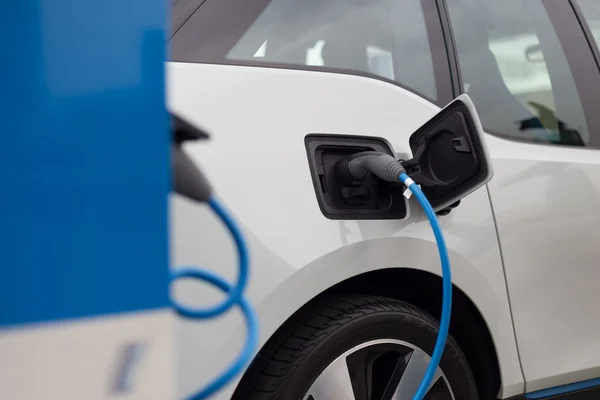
pixel 370 198
pixel 450 159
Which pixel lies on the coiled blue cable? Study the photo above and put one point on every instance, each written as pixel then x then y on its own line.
pixel 235 297
pixel 446 284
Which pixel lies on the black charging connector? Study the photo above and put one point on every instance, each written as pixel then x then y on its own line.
pixel 360 165
pixel 188 180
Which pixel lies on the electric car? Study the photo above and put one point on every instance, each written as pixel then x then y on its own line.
pixel 349 306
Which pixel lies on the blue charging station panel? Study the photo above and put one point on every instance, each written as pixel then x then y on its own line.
pixel 84 159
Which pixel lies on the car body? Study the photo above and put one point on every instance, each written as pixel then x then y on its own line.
pixel 524 249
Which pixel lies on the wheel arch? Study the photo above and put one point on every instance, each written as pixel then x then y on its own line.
pixel 419 285
pixel 424 290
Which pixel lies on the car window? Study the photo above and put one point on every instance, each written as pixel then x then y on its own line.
pixel 514 68
pixel 591 12
pixel 396 40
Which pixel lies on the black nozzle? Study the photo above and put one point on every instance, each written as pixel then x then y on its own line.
pixel 188 180
pixel 183 131
pixel 383 165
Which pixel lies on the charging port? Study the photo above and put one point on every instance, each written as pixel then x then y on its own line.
pixel 450 161
pixel 370 198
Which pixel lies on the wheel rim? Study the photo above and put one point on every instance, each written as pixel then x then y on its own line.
pixel 384 369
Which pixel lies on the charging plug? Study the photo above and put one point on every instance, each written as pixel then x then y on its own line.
pixel 188 180
pixel 359 165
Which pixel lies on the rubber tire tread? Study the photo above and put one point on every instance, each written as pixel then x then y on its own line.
pixel 280 369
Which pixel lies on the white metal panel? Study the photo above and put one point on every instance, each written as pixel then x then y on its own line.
pixel 256 160
pixel 547 205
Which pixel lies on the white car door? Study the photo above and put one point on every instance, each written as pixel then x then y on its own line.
pixel 530 71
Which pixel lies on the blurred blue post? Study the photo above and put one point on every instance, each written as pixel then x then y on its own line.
pixel 84 175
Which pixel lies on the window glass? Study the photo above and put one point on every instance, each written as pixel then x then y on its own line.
pixel 514 68
pixel 591 13
pixel 391 39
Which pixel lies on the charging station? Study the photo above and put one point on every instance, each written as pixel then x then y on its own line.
pixel 84 166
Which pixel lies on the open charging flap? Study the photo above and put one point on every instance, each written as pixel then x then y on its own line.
pixel 450 158
pixel 450 161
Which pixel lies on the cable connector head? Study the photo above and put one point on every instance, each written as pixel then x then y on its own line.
pixel 382 165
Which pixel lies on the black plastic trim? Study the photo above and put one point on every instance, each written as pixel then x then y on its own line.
pixel 586 31
pixel 592 393
pixel 451 52
pixel 385 200
pixel 439 54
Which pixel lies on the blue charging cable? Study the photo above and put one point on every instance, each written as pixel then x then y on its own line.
pixel 386 167
pixel 190 182
pixel 235 297
pixel 446 284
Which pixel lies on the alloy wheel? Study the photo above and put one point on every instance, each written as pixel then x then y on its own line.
pixel 383 369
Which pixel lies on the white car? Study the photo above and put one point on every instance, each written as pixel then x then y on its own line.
pixel 349 307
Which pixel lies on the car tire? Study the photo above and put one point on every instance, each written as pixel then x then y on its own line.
pixel 375 338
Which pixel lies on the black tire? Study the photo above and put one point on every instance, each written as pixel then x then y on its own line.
pixel 290 362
